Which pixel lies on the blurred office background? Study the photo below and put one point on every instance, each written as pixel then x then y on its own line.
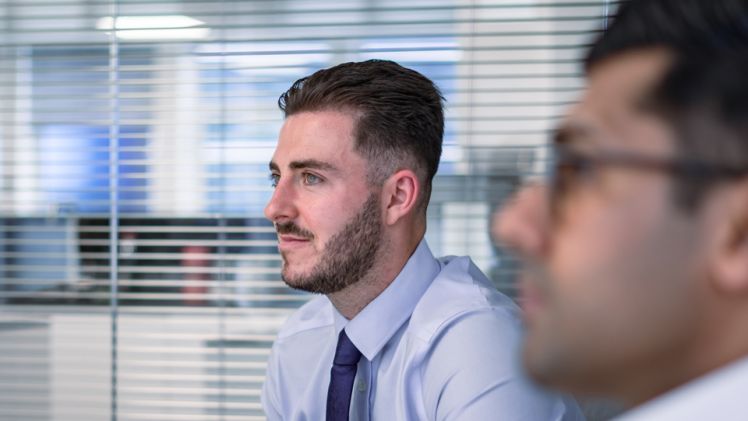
pixel 138 277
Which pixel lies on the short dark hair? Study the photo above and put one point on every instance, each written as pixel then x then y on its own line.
pixel 705 100
pixel 685 27
pixel 703 94
pixel 398 111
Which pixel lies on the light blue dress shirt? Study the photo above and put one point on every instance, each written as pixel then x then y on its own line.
pixel 440 343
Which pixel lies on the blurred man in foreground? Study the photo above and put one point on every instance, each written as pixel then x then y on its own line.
pixel 397 333
pixel 636 251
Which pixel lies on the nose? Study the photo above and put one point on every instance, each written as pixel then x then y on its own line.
pixel 525 221
pixel 281 206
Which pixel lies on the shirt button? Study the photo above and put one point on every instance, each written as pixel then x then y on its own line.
pixel 361 386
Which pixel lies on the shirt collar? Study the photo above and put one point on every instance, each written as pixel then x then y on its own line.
pixel 721 390
pixel 375 325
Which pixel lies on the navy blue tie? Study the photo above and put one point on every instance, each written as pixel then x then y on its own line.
pixel 343 372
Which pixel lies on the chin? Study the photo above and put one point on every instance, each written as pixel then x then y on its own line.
pixel 531 364
pixel 553 368
pixel 294 277
pixel 297 267
pixel 538 360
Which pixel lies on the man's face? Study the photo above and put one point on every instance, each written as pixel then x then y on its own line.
pixel 609 287
pixel 328 221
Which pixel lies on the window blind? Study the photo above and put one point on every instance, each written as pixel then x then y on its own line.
pixel 138 277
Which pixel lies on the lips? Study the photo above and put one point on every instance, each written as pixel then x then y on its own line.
pixel 290 242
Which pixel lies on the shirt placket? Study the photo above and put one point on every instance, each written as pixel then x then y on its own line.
pixel 361 397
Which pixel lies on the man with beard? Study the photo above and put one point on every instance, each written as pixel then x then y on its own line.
pixel 396 333
pixel 636 250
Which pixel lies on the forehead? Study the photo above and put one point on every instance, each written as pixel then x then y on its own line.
pixel 326 136
pixel 611 111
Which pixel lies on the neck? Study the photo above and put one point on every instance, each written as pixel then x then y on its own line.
pixel 392 256
pixel 722 341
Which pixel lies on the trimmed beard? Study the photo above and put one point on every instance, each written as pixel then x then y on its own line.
pixel 347 257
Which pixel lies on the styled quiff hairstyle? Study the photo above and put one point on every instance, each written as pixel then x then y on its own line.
pixel 398 112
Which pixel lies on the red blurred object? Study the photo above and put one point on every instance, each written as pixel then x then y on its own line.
pixel 197 285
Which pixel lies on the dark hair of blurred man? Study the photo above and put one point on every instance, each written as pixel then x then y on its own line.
pixel 636 250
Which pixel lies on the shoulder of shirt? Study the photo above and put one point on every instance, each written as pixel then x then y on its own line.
pixel 721 390
pixel 315 314
pixel 459 291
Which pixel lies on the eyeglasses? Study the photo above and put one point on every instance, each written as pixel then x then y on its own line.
pixel 572 168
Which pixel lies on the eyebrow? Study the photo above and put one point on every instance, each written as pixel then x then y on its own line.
pixel 306 164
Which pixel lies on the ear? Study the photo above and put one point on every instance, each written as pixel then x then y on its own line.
pixel 731 261
pixel 401 191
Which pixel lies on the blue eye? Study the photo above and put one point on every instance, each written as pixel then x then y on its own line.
pixel 274 178
pixel 311 179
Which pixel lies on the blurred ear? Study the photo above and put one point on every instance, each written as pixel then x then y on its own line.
pixel 401 191
pixel 731 261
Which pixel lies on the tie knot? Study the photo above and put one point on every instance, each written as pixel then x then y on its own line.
pixel 346 353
